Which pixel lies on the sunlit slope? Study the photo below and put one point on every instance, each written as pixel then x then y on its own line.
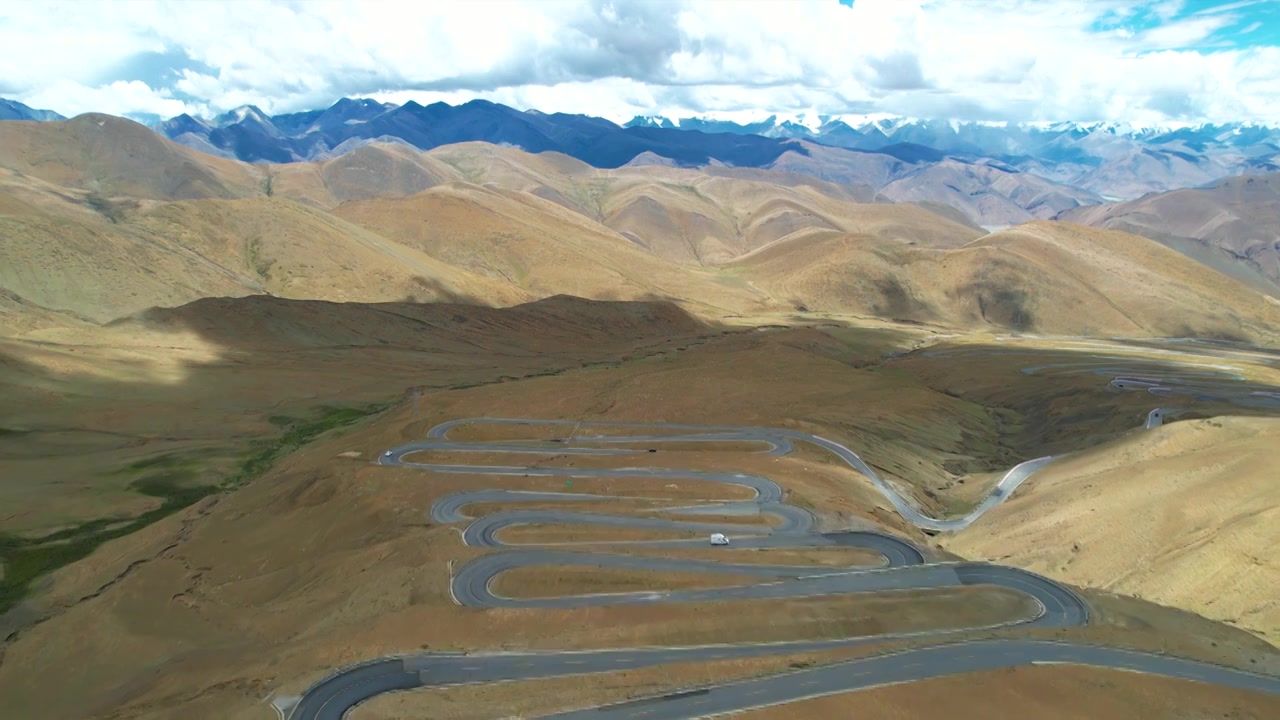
pixel 78 262
pixel 540 247
pixel 111 156
pixel 1157 290
pixel 375 170
pixel 299 252
pixel 712 220
pixel 688 216
pixel 1039 277
pixel 1231 226
pixel 1186 515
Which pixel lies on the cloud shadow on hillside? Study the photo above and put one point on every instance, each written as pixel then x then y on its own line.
pixel 279 358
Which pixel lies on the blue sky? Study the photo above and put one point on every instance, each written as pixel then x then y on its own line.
pixel 1238 23
pixel 1158 62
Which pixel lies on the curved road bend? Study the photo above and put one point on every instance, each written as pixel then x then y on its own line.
pixel 910 666
pixel 1203 381
pixel 333 697
pixel 780 441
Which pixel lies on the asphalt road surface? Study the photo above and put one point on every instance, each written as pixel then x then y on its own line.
pixel 779 441
pixel 903 566
pixel 1206 381
pixel 331 698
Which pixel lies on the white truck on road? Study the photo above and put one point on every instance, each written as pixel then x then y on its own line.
pixel 719 539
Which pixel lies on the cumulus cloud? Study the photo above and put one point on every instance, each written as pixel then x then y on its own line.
pixel 990 60
pixel 117 98
pixel 900 70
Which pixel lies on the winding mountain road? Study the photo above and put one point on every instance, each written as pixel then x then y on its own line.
pixel 903 567
pixel 1170 379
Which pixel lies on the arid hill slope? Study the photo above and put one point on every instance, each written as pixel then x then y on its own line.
pixel 1043 277
pixel 691 217
pixel 61 256
pixel 541 247
pixel 1186 515
pixel 111 156
pixel 1233 226
pixel 989 195
pixel 994 196
pixel 377 170
pixel 101 219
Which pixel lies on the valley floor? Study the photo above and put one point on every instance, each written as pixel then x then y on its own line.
pixel 248 420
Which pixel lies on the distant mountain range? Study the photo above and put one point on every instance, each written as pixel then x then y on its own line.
pixel 14 110
pixel 1106 160
pixel 104 218
pixel 988 191
pixel 997 174
pixel 249 134
pixel 1115 160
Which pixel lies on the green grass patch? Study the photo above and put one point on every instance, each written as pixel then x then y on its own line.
pixel 953 507
pixel 26 559
pixel 167 477
pixel 172 463
pixel 297 433
pixel 687 189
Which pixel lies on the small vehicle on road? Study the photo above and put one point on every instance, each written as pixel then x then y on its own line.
pixel 719 539
pixel 386 454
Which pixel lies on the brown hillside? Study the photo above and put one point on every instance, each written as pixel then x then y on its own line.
pixel 61 256
pixel 989 195
pixel 1233 226
pixel 1159 291
pixel 375 170
pixel 850 192
pixel 839 165
pixel 1039 277
pixel 689 216
pixel 1181 516
pixel 299 252
pixel 712 220
pixel 499 226
pixel 113 156
pixel 538 246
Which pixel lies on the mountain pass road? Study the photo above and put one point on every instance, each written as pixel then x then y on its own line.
pixel 902 566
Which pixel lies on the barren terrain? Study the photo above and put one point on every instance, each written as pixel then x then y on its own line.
pixel 493 226
pixel 357 570
pixel 1230 226
pixel 201 361
pixel 1180 516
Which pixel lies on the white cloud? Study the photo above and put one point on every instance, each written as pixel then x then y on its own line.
pixel 1183 33
pixel 1229 7
pixel 996 59
pixel 118 98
